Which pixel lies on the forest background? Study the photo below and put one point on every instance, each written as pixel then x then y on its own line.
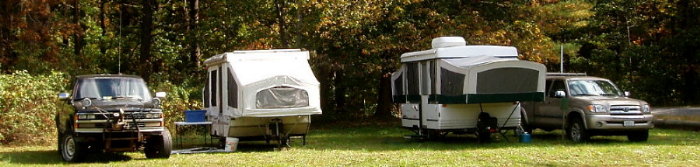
pixel 647 47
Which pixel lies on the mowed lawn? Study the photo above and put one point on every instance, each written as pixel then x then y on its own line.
pixel 385 146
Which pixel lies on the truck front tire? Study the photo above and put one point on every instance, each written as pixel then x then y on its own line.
pixel 576 131
pixel 71 150
pixel 159 146
pixel 638 136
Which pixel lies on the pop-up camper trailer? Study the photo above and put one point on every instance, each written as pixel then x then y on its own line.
pixel 461 88
pixel 261 94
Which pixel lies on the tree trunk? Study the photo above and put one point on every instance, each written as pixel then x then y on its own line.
pixel 146 38
pixel 193 19
pixel 280 5
pixel 79 35
pixel 384 102
pixel 339 91
pixel 103 48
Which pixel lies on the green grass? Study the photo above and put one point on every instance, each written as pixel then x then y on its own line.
pixel 385 146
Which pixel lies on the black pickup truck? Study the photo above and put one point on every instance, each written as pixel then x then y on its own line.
pixel 111 113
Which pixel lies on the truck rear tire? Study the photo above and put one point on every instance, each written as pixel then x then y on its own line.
pixel 71 150
pixel 159 146
pixel 638 136
pixel 576 131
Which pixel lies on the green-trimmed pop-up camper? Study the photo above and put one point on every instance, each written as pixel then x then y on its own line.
pixel 461 88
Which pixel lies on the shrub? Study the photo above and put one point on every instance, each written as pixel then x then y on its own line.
pixel 28 106
pixel 179 99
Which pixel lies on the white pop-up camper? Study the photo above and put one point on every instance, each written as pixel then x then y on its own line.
pixel 461 88
pixel 261 94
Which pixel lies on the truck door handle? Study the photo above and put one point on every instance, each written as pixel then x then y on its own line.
pixel 415 107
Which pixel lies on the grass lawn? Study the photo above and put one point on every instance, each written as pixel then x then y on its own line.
pixel 385 146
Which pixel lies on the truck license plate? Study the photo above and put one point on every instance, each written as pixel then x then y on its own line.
pixel 628 123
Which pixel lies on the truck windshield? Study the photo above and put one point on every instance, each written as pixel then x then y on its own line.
pixel 112 88
pixel 593 88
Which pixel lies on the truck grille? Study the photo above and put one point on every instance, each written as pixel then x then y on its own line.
pixel 625 110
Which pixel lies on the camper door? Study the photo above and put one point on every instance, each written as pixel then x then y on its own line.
pixel 212 95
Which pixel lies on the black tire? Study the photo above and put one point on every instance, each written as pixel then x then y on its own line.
pixel 159 146
pixel 638 136
pixel 576 131
pixel 434 134
pixel 71 150
pixel 483 136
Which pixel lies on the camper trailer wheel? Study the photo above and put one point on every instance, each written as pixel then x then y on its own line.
pixel 435 134
pixel 282 141
pixel 222 142
pixel 483 136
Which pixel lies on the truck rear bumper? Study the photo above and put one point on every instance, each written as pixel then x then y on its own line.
pixel 620 122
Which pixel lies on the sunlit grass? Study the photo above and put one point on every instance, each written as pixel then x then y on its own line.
pixel 385 146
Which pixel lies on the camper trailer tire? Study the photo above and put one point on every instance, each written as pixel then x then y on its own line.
pixel 483 136
pixel 435 134
pixel 159 146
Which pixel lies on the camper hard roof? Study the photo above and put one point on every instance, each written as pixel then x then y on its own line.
pixel 455 47
pixel 250 66
pixel 258 55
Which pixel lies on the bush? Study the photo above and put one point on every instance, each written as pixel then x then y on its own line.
pixel 28 106
pixel 179 99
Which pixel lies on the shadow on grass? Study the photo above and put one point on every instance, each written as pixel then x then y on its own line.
pixel 391 139
pixel 46 157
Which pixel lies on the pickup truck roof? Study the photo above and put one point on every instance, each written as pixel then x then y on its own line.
pixel 107 75
pixel 572 76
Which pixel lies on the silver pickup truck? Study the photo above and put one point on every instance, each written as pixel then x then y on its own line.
pixel 586 106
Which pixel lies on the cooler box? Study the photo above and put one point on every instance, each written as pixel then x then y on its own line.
pixel 195 115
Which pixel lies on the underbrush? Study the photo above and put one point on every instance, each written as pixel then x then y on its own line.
pixel 28 106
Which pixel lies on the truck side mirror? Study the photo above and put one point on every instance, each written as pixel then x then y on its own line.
pixel 160 94
pixel 559 94
pixel 63 96
pixel 627 94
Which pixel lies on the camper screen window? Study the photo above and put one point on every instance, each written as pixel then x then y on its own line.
pixel 213 87
pixel 232 91
pixel 398 85
pixel 206 95
pixel 412 78
pixel 451 83
pixel 432 76
pixel 425 81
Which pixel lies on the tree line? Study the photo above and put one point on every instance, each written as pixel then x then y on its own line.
pixel 647 47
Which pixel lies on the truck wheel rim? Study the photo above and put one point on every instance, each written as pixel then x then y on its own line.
pixel 575 132
pixel 69 147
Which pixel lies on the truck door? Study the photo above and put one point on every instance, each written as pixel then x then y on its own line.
pixel 550 114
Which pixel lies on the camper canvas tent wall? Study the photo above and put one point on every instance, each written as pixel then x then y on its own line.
pixel 462 88
pixel 261 94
